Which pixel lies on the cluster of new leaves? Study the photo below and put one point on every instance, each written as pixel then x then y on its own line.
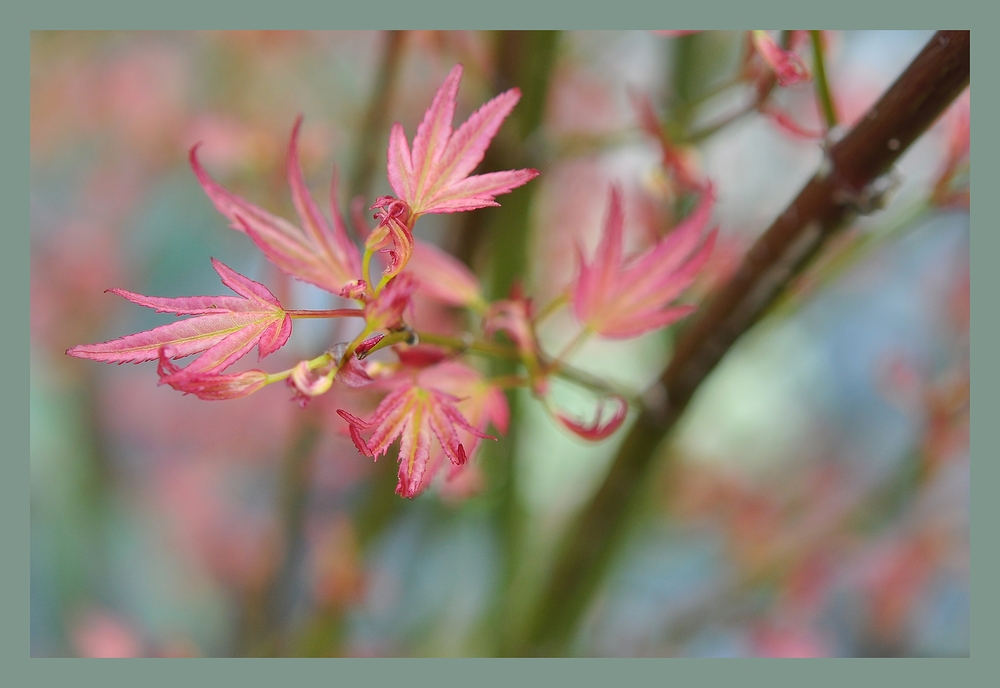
pixel 437 406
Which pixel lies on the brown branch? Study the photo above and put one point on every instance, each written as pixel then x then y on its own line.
pixel 847 183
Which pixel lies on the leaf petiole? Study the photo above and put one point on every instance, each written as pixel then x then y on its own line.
pixel 323 359
pixel 334 313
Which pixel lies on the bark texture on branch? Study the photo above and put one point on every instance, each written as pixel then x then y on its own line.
pixel 850 181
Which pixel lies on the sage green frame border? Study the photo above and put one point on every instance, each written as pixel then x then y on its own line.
pixel 451 14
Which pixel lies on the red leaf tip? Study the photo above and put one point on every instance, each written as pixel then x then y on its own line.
pixel 595 430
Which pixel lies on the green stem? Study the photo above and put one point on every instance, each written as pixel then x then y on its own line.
pixel 555 367
pixel 764 90
pixel 510 381
pixel 596 384
pixel 712 91
pixel 354 344
pixel 524 59
pixel 473 346
pixel 551 307
pixel 376 119
pixel 318 362
pixel 366 264
pixel 381 283
pixel 713 128
pixel 823 93
pixel 573 345
pixel 683 79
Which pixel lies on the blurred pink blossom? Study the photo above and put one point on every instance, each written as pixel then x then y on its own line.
pixel 98 632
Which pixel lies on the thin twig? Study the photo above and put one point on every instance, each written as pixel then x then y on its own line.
pixel 334 313
pixel 823 93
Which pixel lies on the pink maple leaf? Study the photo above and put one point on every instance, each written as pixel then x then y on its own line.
pixel 413 413
pixel 619 298
pixel 434 176
pixel 211 386
pixel 224 330
pixel 596 429
pixel 321 253
pixel 787 123
pixel 479 401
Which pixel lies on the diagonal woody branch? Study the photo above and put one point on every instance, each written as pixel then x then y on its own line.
pixel 848 182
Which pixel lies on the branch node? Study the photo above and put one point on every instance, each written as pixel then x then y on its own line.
pixel 871 198
pixel 655 400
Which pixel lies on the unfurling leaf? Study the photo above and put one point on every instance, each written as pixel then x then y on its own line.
pixel 207 385
pixel 321 253
pixel 596 429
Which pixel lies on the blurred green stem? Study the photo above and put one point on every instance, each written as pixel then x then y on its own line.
pixel 475 346
pixel 524 59
pixel 556 367
pixel 683 81
pixel 376 119
pixel 763 88
pixel 261 627
pixel 334 313
pixel 822 86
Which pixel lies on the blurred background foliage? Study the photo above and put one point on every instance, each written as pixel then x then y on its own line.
pixel 817 500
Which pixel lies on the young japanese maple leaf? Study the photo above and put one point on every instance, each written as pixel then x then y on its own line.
pixel 479 401
pixel 320 253
pixel 392 236
pixel 413 414
pixel 433 177
pixel 618 298
pixel 224 330
pixel 210 386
